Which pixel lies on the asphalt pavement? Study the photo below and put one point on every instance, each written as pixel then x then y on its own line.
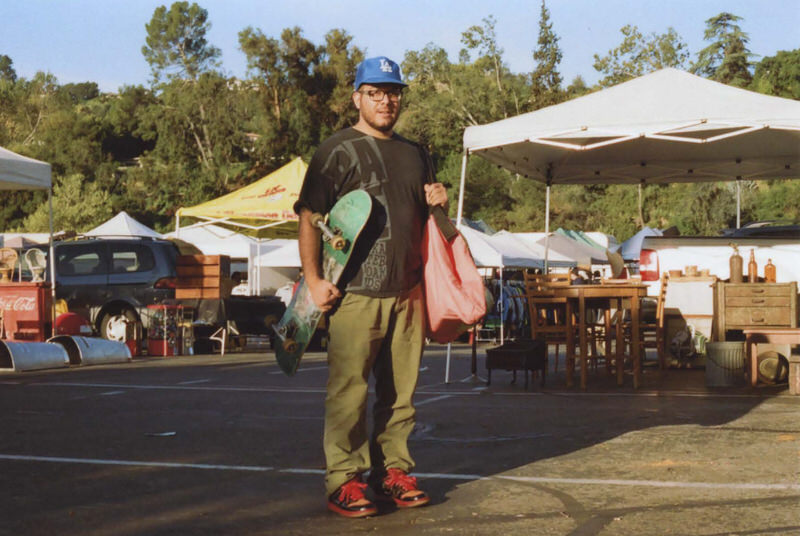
pixel 228 445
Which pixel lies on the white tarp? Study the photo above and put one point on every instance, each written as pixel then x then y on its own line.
pixel 666 126
pixel 632 247
pixel 562 249
pixel 122 225
pixel 489 253
pixel 19 172
pixel 216 240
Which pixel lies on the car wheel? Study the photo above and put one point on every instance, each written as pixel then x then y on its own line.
pixel 115 324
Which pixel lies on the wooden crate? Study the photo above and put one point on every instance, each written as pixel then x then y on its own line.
pixel 203 276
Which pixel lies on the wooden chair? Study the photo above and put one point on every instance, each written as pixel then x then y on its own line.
pixel 8 260
pixel 547 313
pixel 652 332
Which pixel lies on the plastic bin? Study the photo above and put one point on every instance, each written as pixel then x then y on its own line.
pixel 724 364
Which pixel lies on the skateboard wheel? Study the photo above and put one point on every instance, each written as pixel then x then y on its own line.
pixel 290 345
pixel 317 219
pixel 338 243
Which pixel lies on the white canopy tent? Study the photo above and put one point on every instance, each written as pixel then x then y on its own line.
pixel 667 126
pixel 19 172
pixel 123 225
pixel 216 240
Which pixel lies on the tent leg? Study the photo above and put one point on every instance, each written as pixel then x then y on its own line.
pixel 461 189
pixel 52 264
pixel 546 227
pixel 447 366
pixel 738 204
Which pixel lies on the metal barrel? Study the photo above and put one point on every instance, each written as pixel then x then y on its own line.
pixel 92 350
pixel 22 356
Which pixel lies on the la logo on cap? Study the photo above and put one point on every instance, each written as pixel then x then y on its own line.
pixel 386 67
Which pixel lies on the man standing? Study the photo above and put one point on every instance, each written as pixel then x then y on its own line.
pixel 377 320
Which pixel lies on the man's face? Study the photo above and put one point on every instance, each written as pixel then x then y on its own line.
pixel 379 105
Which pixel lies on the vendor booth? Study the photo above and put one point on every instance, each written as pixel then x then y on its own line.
pixel 26 308
pixel 263 210
pixel 666 126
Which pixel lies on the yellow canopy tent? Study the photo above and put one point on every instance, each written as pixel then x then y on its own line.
pixel 262 209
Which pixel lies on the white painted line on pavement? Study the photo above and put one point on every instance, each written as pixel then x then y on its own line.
pixel 474 391
pixel 192 382
pixel 111 393
pixel 434 399
pixel 301 369
pixel 779 486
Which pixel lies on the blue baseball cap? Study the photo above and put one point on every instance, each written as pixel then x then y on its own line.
pixel 378 70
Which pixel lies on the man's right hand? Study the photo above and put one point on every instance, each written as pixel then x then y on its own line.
pixel 324 293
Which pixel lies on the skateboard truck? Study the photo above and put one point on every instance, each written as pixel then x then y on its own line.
pixel 329 235
pixel 286 335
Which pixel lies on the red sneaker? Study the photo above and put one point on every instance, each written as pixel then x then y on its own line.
pixel 349 500
pixel 402 488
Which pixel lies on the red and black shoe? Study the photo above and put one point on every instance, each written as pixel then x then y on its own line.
pixel 349 500
pixel 402 489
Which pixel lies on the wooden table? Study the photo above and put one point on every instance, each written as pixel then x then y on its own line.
pixel 577 296
pixel 765 336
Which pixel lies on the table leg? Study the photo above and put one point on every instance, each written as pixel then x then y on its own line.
pixel 570 357
pixel 584 343
pixel 619 351
pixel 636 353
pixel 751 352
pixel 607 319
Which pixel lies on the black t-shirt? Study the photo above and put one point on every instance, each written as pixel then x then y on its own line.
pixel 393 172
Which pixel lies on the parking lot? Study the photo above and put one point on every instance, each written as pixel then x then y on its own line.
pixel 229 445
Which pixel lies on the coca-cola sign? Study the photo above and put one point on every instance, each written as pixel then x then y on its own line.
pixel 18 303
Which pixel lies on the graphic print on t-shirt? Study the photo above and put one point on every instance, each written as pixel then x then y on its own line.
pixel 369 166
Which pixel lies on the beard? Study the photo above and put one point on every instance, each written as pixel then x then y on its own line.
pixel 382 122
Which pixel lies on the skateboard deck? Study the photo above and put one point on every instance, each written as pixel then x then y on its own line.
pixel 345 222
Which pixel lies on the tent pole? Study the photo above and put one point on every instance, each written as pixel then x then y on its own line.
pixel 52 265
pixel 738 202
pixel 502 308
pixel 177 225
pixel 547 227
pixel 461 188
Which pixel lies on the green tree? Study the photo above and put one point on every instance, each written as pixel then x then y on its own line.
pixel 176 42
pixel 78 205
pixel 483 40
pixel 779 75
pixel 639 54
pixel 7 71
pixel 546 79
pixel 727 58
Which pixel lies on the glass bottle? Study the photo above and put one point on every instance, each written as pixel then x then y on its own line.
pixel 770 275
pixel 752 268
pixel 736 265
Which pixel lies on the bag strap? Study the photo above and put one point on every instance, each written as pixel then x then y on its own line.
pixel 443 222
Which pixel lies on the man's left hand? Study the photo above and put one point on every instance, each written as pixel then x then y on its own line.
pixel 436 194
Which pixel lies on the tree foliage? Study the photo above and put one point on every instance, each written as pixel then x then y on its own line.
pixel 639 54
pixel 727 58
pixel 195 133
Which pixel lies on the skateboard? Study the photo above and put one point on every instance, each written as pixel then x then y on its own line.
pixel 345 222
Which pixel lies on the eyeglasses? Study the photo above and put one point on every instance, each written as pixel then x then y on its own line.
pixel 377 95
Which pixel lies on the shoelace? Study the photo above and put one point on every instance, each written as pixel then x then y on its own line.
pixel 398 479
pixel 352 491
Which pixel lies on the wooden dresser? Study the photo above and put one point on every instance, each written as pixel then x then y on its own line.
pixel 754 305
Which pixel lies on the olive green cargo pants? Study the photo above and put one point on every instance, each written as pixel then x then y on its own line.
pixel 386 336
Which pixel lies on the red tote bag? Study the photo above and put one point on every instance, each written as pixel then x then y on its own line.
pixel 454 293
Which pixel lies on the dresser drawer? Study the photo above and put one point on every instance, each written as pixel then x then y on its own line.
pixel 737 317
pixel 758 301
pixel 756 289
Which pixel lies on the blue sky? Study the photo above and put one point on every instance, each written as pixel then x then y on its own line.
pixel 101 40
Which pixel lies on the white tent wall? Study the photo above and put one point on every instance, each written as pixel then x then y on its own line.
pixel 272 264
